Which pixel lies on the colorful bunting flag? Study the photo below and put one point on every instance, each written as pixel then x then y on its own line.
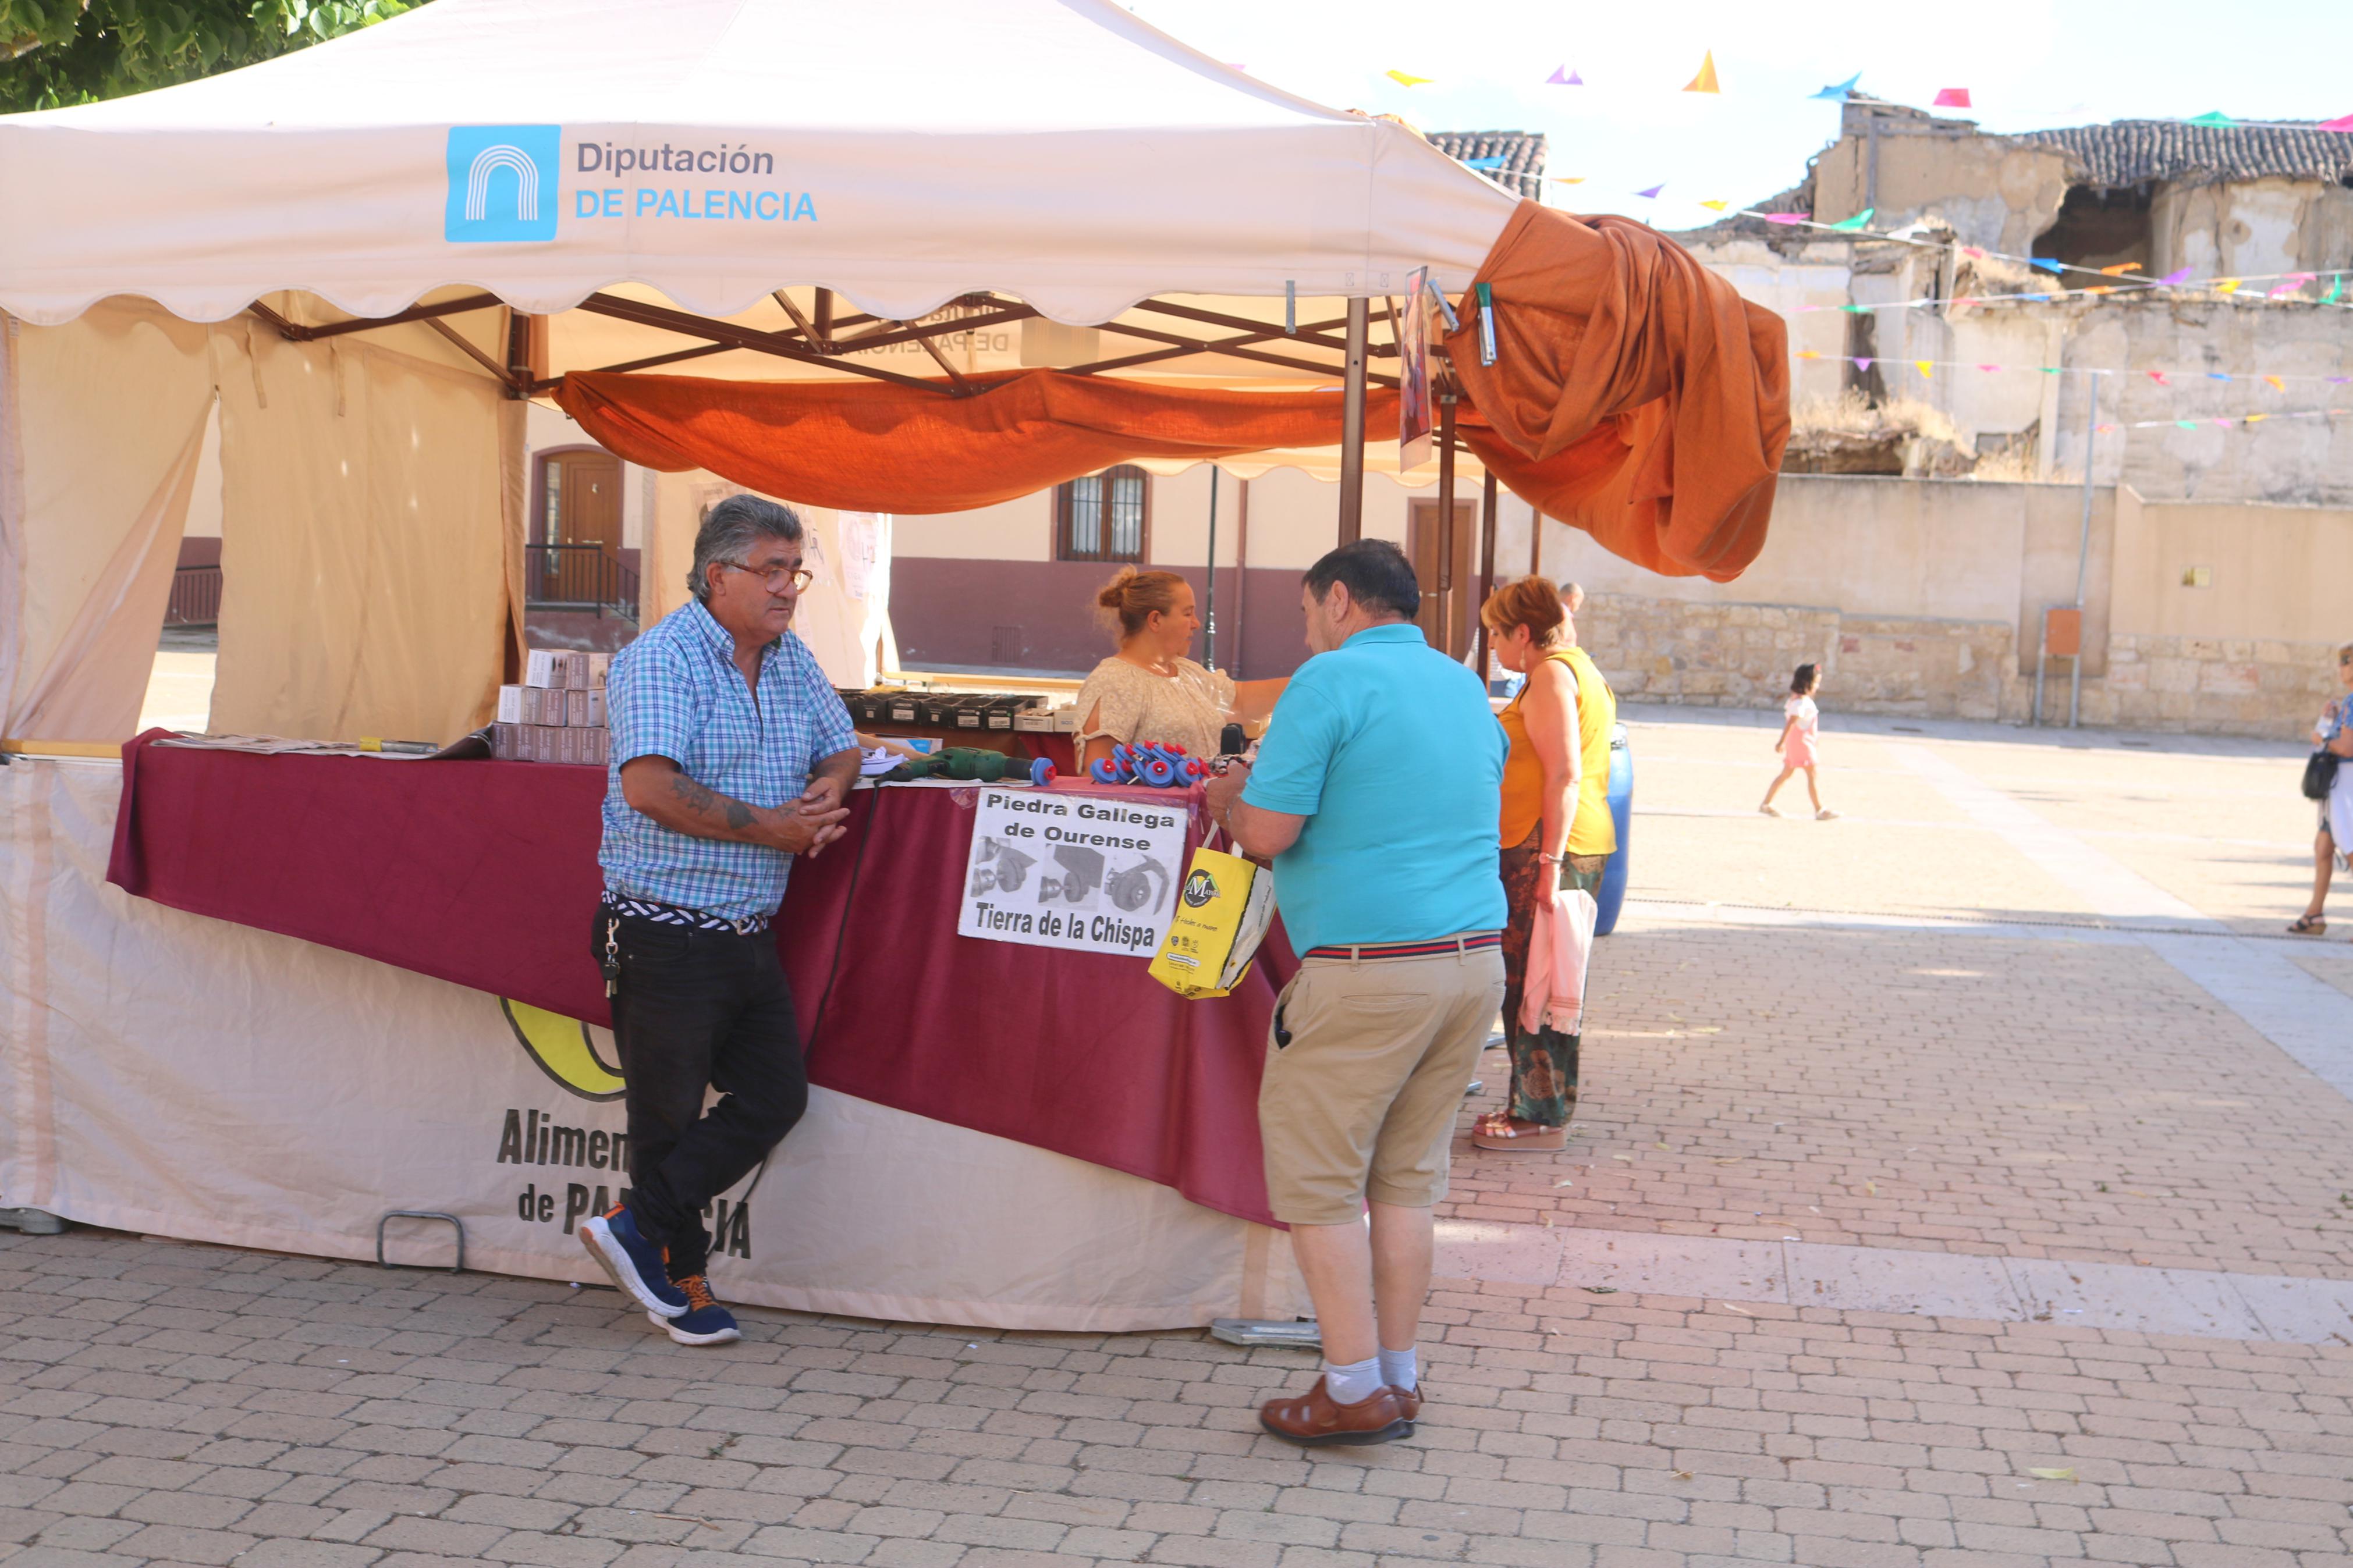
pixel 2292 283
pixel 2218 376
pixel 2342 122
pixel 1705 80
pixel 1973 253
pixel 1849 225
pixel 1494 161
pixel 2187 423
pixel 2213 117
pixel 1716 206
pixel 1406 79
pixel 2049 263
pixel 1988 367
pixel 2159 377
pixel 1838 92
pixel 1786 218
pixel 2226 285
pixel 1953 97
pixel 2174 279
pixel 2225 424
pixel 2257 418
pixel 1651 195
pixel 2120 269
pixel 1564 77
pixel 1926 367
pixel 1809 354
pixel 2277 384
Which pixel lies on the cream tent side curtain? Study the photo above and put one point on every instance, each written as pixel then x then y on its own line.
pixel 101 421
pixel 369 509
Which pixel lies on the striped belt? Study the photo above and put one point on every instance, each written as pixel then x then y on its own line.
pixel 678 915
pixel 1369 952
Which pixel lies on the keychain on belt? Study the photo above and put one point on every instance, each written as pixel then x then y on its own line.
pixel 611 963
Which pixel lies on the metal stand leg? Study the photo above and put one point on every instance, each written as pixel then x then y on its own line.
pixel 32 1222
pixel 455 1224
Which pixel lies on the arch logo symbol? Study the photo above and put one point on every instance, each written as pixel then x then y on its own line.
pixel 502 183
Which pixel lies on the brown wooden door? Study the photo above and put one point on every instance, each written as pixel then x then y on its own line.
pixel 1449 616
pixel 589 506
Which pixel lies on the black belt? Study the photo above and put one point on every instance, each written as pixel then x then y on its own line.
pixel 678 915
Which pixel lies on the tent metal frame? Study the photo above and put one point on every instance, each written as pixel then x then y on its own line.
pixel 816 338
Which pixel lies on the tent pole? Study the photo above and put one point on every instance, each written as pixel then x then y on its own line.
pixel 1210 621
pixel 1486 567
pixel 1352 424
pixel 1535 541
pixel 1241 570
pixel 1443 622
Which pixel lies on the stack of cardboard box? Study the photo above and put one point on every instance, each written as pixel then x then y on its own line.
pixel 557 715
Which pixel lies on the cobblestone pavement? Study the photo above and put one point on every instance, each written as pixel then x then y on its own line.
pixel 2000 1013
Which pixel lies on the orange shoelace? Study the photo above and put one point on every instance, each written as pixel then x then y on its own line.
pixel 698 1292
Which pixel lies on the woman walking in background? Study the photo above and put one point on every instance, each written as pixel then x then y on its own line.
pixel 1801 724
pixel 1557 833
pixel 2334 733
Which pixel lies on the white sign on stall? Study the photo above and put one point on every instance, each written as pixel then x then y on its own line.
pixel 1072 870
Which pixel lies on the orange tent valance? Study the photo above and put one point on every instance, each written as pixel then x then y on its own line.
pixel 1634 395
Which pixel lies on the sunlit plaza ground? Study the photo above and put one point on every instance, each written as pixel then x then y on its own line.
pixel 1967 1181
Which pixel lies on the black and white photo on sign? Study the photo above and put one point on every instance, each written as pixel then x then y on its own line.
pixel 1077 872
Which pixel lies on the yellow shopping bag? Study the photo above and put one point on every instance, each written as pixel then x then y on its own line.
pixel 1222 912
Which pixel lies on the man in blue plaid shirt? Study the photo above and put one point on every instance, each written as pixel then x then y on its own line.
pixel 730 755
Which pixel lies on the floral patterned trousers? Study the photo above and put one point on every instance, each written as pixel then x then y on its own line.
pixel 1543 1061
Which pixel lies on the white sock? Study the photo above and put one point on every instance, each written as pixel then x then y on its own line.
pixel 1353 1383
pixel 1400 1370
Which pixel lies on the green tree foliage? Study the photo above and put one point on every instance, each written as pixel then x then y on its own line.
pixel 54 52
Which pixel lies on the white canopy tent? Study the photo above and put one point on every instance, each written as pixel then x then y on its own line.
pixel 361 259
pixel 704 178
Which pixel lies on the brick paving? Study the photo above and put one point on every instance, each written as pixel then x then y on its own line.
pixel 1904 1088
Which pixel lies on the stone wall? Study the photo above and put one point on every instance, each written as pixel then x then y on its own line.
pixel 2210 686
pixel 1742 656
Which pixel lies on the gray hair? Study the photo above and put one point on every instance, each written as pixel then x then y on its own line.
pixel 730 530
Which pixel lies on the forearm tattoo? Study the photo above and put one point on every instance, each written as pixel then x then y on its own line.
pixel 708 802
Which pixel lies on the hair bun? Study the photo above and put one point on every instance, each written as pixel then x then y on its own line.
pixel 1114 593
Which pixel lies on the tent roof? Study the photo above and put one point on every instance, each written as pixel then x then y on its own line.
pixel 902 153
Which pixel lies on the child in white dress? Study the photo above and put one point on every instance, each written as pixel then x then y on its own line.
pixel 1801 724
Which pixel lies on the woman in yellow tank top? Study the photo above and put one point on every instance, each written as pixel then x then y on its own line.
pixel 1555 831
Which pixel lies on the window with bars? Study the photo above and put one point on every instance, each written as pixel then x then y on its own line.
pixel 1103 517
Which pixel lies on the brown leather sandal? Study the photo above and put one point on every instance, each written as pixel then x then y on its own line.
pixel 1512 1138
pixel 2309 925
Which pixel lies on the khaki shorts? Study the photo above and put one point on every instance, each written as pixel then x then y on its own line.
pixel 1361 1103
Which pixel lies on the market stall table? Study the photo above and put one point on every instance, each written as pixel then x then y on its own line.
pixel 482 874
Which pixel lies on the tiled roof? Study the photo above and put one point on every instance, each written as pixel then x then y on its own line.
pixel 2131 151
pixel 1522 153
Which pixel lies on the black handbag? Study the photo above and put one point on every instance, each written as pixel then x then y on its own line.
pixel 2321 773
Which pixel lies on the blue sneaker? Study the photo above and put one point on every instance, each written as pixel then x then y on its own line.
pixel 705 1321
pixel 635 1263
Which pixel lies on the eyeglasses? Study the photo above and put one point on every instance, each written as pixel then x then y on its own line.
pixel 800 577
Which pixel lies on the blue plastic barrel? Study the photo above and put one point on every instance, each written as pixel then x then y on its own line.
pixel 1622 812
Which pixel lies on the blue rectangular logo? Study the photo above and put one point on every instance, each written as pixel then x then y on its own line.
pixel 502 183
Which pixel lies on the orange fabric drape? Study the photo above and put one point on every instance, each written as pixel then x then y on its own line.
pixel 1634 395
pixel 877 446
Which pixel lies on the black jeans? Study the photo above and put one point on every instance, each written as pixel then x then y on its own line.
pixel 699 1008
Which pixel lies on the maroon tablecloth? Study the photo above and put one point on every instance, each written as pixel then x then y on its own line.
pixel 484 873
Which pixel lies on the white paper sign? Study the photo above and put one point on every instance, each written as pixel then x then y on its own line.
pixel 1063 869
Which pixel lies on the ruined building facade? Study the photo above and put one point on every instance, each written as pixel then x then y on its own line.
pixel 2224 201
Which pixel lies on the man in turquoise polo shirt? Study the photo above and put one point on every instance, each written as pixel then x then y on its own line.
pixel 1374 794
